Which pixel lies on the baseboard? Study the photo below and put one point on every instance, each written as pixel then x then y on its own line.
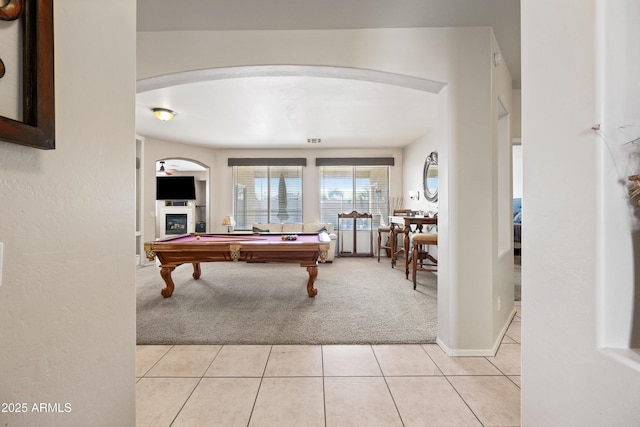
pixel 478 352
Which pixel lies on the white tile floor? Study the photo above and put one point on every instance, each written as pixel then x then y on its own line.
pixel 328 385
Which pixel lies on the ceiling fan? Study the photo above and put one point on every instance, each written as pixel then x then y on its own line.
pixel 164 171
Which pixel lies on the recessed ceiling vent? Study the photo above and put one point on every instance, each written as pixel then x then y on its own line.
pixel 314 140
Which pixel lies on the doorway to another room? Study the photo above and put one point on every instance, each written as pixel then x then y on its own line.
pixel 182 191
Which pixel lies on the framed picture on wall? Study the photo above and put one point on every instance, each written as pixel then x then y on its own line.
pixel 26 73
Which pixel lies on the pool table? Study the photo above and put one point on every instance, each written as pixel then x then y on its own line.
pixel 194 248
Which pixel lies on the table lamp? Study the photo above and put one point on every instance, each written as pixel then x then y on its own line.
pixel 229 222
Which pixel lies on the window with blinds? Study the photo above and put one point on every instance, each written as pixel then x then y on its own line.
pixel 347 188
pixel 267 194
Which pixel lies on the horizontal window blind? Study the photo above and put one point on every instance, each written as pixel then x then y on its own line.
pixel 267 194
pixel 344 189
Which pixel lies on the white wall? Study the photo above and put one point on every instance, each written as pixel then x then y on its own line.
pixel 415 154
pixel 461 58
pixel 516 114
pixel 620 124
pixel 516 135
pixel 471 318
pixel 517 171
pixel 67 300
pixel 568 379
pixel 501 283
pixel 377 49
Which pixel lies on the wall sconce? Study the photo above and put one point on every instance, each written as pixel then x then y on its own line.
pixel 414 195
pixel 164 114
pixel 229 222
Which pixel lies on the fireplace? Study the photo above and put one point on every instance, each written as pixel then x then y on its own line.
pixel 175 220
pixel 175 224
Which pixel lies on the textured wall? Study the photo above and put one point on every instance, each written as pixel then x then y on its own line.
pixel 67 300
pixel 567 378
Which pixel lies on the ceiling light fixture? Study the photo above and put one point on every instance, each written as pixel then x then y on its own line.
pixel 164 114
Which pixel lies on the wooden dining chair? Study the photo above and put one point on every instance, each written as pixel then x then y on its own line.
pixel 386 230
pixel 421 259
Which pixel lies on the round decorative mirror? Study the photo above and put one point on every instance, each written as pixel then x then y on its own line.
pixel 430 177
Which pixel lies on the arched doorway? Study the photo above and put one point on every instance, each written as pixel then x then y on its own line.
pixel 182 196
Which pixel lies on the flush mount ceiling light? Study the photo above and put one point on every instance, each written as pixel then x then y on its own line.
pixel 164 114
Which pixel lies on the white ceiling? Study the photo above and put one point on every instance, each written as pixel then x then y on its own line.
pixel 284 111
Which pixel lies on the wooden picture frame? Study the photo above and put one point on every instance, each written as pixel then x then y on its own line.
pixel 37 128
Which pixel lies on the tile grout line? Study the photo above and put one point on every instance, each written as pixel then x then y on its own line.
pixel 195 387
pixel 504 374
pixel 324 389
pixel 264 370
pixel 185 401
pixel 451 384
pixel 464 400
pixel 384 377
pixel 157 361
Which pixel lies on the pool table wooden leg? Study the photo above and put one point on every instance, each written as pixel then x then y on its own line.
pixel 196 270
pixel 313 273
pixel 165 272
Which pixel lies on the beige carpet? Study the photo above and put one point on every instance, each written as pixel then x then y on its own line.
pixel 359 301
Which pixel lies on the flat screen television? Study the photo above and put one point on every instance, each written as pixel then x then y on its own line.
pixel 175 188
